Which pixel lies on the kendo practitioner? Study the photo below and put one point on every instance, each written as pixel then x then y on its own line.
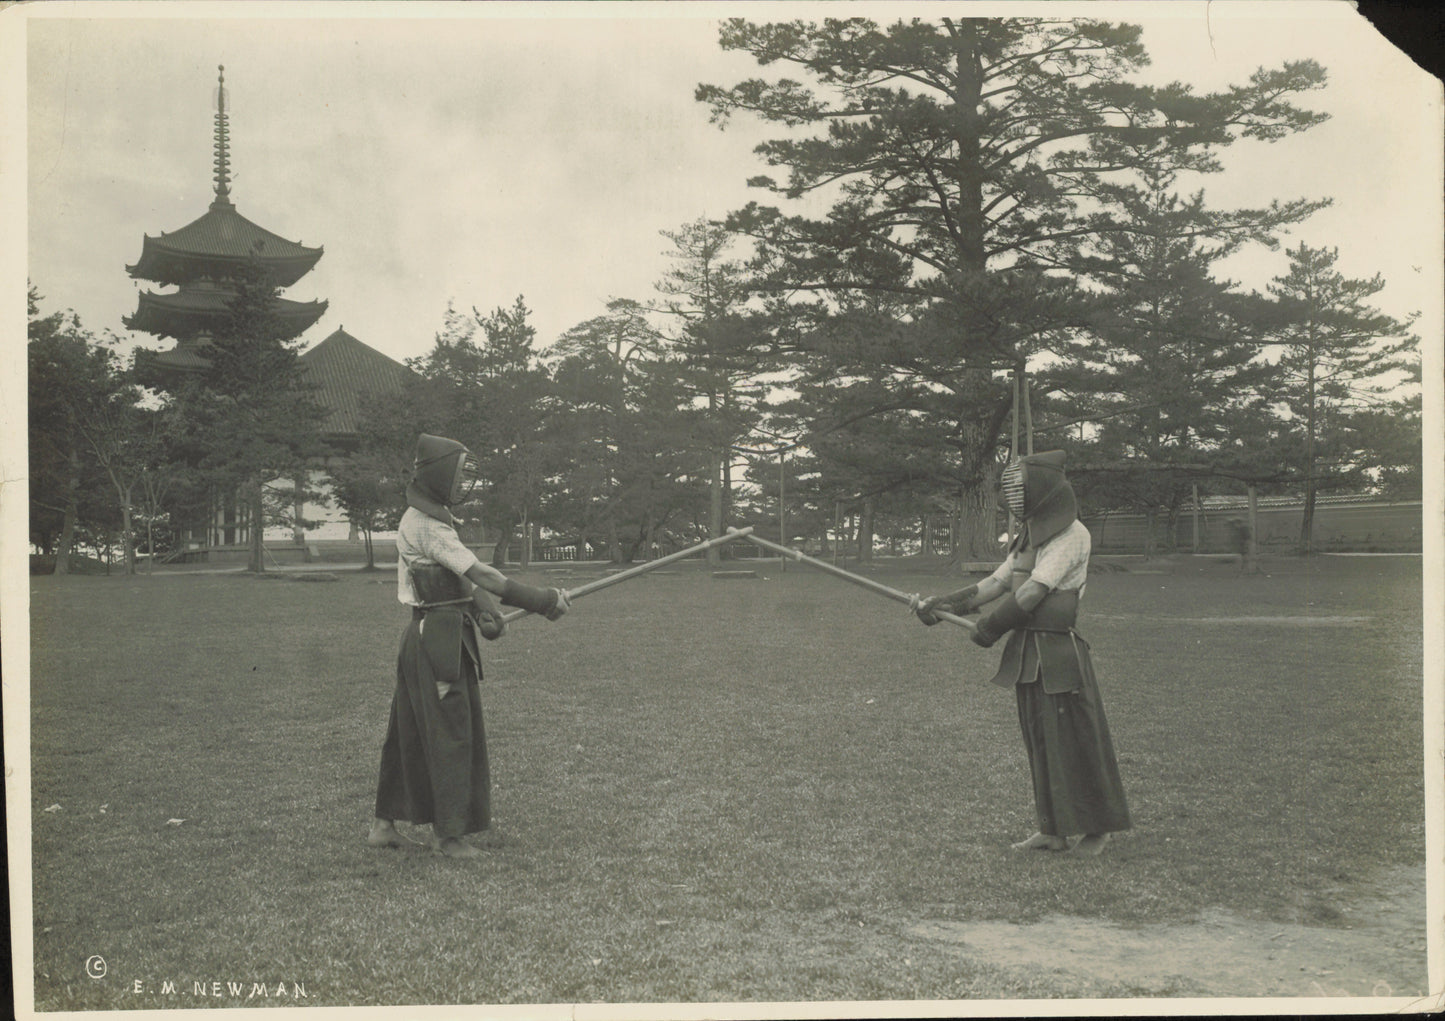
pixel 1036 594
pixel 434 760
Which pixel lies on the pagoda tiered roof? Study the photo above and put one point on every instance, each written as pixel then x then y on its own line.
pixel 183 358
pixel 191 311
pixel 204 260
pixel 216 245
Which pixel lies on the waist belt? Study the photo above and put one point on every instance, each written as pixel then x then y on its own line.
pixel 419 611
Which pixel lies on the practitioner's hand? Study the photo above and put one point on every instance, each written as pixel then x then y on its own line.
pixel 931 603
pixel 489 617
pixel 562 605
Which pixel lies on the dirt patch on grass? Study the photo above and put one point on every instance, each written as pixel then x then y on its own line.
pixel 1294 620
pixel 1379 951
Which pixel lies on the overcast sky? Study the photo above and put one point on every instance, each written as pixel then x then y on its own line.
pixel 481 153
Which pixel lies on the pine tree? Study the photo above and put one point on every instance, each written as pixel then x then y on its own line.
pixel 960 163
pixel 1338 356
pixel 706 292
pixel 67 374
pixel 1170 368
pixel 250 415
pixel 639 449
pixel 494 396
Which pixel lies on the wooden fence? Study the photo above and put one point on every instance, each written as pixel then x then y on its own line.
pixel 1340 525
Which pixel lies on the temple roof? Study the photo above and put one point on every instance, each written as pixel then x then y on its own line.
pixel 190 311
pixel 350 375
pixel 215 244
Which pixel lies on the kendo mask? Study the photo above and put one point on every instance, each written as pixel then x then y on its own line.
pixel 1036 493
pixel 444 471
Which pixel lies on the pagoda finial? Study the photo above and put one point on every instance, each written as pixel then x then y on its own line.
pixel 223 155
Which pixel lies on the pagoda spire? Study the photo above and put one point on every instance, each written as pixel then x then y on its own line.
pixel 223 154
pixel 204 259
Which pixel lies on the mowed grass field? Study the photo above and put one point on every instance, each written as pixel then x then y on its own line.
pixel 705 789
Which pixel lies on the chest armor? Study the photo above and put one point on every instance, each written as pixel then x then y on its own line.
pixel 434 584
pixel 1046 650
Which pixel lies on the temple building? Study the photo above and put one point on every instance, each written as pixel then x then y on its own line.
pixel 349 377
pixel 202 261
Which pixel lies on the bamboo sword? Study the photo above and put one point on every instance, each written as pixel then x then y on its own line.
pixel 633 572
pixel 857 579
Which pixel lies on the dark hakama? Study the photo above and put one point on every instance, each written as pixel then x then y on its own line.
pixel 434 761
pixel 1071 757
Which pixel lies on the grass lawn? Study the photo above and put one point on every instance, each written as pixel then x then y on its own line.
pixel 705 790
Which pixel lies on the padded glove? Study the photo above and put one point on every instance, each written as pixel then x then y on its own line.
pixel 1006 616
pixel 531 598
pixel 964 600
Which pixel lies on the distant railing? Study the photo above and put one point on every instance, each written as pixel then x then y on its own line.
pixel 552 554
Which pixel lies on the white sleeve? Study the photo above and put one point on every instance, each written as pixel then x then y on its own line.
pixel 1061 557
pixel 440 543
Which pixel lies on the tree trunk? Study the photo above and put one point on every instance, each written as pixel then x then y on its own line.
pixel 614 543
pixel 977 519
pixel 1194 511
pixel 968 169
pixel 370 552
pixel 925 545
pixel 298 527
pixel 865 532
pixel 256 562
pixel 727 485
pixel 499 552
pixel 1307 521
pixel 1251 548
pixel 127 538
pixel 715 507
pixel 67 521
pixel 783 507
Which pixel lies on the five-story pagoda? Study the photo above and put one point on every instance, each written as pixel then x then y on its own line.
pixel 205 261
pixel 202 259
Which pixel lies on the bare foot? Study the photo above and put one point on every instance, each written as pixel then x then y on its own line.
pixel 1042 842
pixel 384 834
pixel 455 847
pixel 1091 844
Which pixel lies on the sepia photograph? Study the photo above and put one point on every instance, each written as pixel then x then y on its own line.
pixel 699 510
